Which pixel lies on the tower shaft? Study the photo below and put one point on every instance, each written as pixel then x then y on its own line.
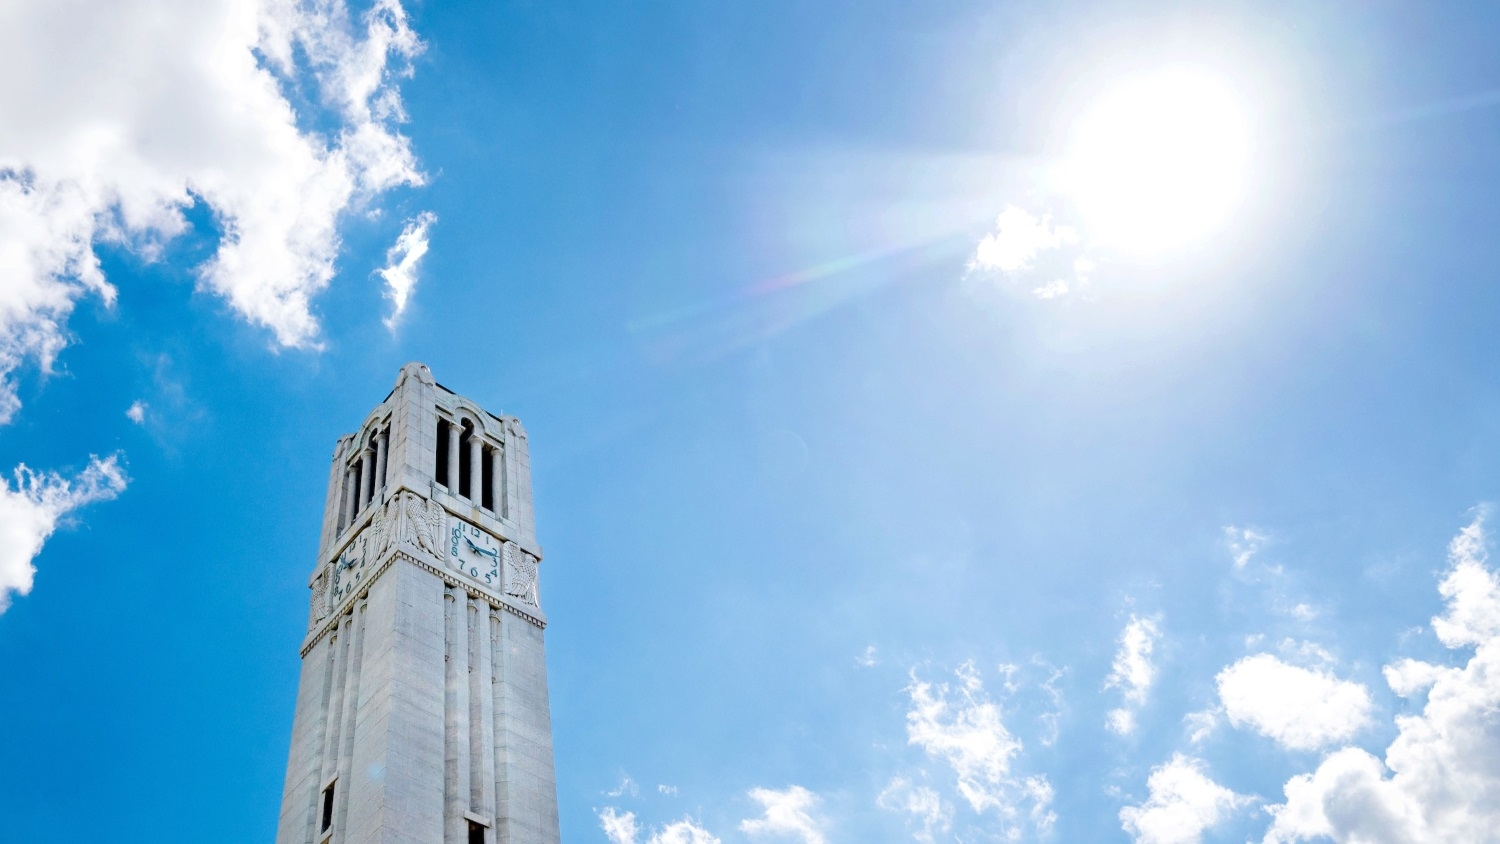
pixel 422 712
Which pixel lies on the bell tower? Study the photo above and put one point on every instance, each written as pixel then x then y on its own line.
pixel 422 713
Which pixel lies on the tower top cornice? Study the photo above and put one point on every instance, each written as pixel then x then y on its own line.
pixel 425 466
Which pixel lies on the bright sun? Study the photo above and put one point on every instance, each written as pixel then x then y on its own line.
pixel 1159 161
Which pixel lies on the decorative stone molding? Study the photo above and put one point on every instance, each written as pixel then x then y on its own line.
pixel 329 622
pixel 415 370
pixel 471 590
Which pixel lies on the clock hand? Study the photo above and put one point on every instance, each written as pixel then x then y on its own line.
pixel 478 550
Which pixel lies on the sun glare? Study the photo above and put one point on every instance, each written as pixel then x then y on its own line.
pixel 1159 161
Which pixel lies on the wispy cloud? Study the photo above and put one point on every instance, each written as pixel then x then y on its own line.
pixel 1243 543
pixel 927 808
pixel 1049 718
pixel 136 412
pixel 31 509
pixel 1303 611
pixel 622 828
pixel 1183 804
pixel 1439 779
pixel 1132 671
pixel 131 122
pixel 1202 724
pixel 959 724
pixel 401 262
pixel 626 786
pixel 788 814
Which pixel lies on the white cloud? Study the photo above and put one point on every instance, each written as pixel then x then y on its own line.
pixel 401 261
pixel 31 509
pixel 1472 592
pixel 136 110
pixel 1030 247
pixel 1017 240
pixel 787 814
pixel 136 412
pixel 1132 671
pixel 1244 543
pixel 621 828
pixel 926 806
pixel 1300 708
pixel 669 790
pixel 1183 804
pixel 1349 799
pixel 1440 780
pixel 961 726
pixel 869 658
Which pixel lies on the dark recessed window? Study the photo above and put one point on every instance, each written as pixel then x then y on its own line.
pixel 476 833
pixel 327 808
pixel 440 473
pixel 487 480
pixel 463 463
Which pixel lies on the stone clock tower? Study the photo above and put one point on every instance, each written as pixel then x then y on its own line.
pixel 422 707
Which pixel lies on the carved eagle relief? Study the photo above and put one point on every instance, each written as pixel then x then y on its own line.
pixel 377 535
pixel 319 600
pixel 424 525
pixel 520 574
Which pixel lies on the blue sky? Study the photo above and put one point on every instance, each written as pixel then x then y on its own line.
pixel 887 492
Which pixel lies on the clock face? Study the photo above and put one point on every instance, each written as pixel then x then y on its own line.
pixel 348 569
pixel 474 552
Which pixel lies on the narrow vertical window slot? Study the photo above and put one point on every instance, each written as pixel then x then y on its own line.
pixel 344 503
pixel 327 822
pixel 476 833
pixel 440 474
pixel 359 482
pixel 487 480
pixel 464 470
pixel 374 472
